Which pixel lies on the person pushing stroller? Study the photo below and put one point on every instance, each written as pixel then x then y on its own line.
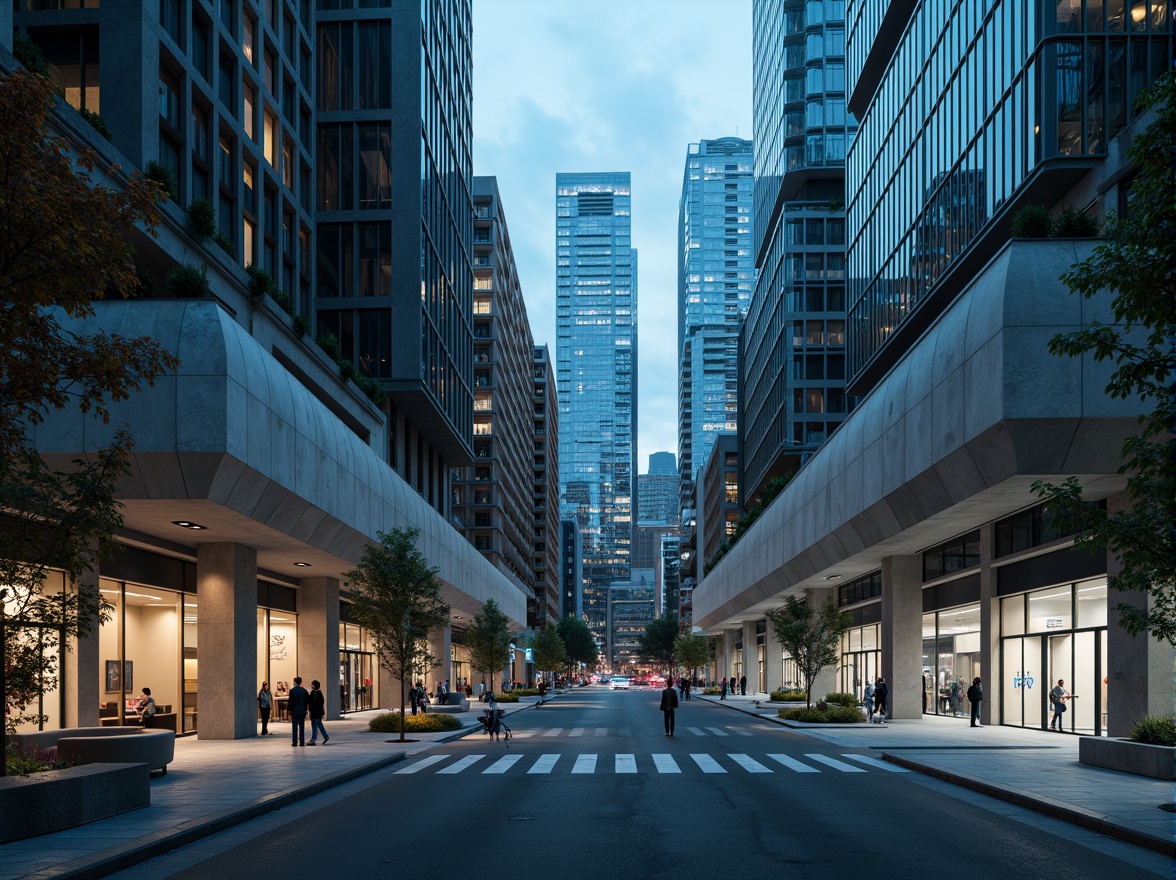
pixel 492 721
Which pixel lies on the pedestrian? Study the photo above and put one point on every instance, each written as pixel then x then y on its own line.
pixel 881 692
pixel 869 701
pixel 265 702
pixel 723 689
pixel 422 698
pixel 669 702
pixel 494 724
pixel 975 696
pixel 298 704
pixel 146 708
pixel 1057 701
pixel 686 689
pixel 317 707
pixel 743 685
pixel 412 698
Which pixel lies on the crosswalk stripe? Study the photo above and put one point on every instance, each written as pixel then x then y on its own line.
pixel 585 764
pixel 835 764
pixel 749 764
pixel 467 761
pixel 874 762
pixel 741 732
pixel 555 731
pixel 793 764
pixel 602 731
pixel 577 731
pixel 502 764
pixel 544 764
pixel 716 731
pixel 422 764
pixel 666 764
pixel 626 764
pixel 707 764
pixel 696 731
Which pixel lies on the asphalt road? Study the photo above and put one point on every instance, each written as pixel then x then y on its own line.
pixel 589 787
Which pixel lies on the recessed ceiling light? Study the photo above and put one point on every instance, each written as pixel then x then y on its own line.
pixel 186 524
pixel 833 577
pixel 302 564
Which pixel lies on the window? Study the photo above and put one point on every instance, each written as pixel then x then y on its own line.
pixel 200 31
pixel 250 102
pixel 169 97
pixel 375 65
pixel 250 234
pixel 288 165
pixel 271 140
pixel 200 132
pixel 248 36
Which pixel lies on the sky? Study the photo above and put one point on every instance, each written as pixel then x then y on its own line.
pixel 608 85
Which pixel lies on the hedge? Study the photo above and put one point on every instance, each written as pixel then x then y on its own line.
pixel 426 722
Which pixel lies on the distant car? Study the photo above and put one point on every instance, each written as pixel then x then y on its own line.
pixel 619 683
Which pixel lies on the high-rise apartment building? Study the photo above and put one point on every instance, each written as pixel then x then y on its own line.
pixel 793 344
pixel 571 570
pixel 596 375
pixel 395 217
pixel 545 491
pixel 716 275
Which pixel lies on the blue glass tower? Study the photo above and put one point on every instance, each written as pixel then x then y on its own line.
pixel 596 377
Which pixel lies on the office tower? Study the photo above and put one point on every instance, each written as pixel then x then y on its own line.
pixel 395 219
pixel 632 606
pixel 571 570
pixel 596 375
pixel 716 274
pixel 657 492
pixel 494 500
pixel 545 490
pixel 671 594
pixel 792 399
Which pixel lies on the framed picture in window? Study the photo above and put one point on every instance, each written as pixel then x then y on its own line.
pixel 120 681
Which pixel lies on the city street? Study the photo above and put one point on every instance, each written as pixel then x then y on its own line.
pixel 589 787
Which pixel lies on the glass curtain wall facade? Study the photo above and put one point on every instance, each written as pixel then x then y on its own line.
pixel 716 274
pixel 596 377
pixel 969 111
pixel 792 348
pixel 395 213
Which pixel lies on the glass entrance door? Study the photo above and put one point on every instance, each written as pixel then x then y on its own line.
pixel 355 680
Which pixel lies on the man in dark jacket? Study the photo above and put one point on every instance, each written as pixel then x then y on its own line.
pixel 318 711
pixel 881 693
pixel 299 703
pixel 975 696
pixel 669 702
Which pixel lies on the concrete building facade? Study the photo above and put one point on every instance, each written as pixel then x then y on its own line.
pixel 545 492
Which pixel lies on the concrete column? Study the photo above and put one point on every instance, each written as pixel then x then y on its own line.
pixel 826 680
pixel 82 673
pixel 750 656
pixel 728 661
pixel 439 646
pixel 902 634
pixel 318 637
pixel 1139 668
pixel 989 630
pixel 226 587
pixel 774 662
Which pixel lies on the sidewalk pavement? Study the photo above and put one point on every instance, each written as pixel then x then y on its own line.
pixel 213 785
pixel 1037 769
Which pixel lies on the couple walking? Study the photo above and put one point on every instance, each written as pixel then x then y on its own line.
pixel 303 702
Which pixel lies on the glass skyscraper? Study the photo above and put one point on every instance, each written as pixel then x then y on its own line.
pixel 716 273
pixel 596 377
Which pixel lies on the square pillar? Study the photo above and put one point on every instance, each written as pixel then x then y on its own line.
pixel 773 660
pixel 728 660
pixel 750 656
pixel 989 630
pixel 902 634
pixel 439 646
pixel 226 632
pixel 826 680
pixel 82 673
pixel 318 638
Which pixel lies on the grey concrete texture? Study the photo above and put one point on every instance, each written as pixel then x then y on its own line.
pixel 952 437
pixel 31 806
pixel 1141 759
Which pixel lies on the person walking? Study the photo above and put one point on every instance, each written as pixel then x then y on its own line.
pixel 146 708
pixel 423 698
pixel 881 692
pixel 669 702
pixel 265 702
pixel 412 698
pixel 869 701
pixel 743 685
pixel 723 689
pixel 686 689
pixel 975 696
pixel 317 707
pixel 298 704
pixel 1057 701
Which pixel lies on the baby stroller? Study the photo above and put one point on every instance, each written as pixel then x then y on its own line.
pixel 494 725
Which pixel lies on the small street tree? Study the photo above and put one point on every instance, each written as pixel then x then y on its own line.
pixel 810 636
pixel 549 651
pixel 396 596
pixel 1137 262
pixel 656 644
pixel 488 638
pixel 578 642
pixel 692 652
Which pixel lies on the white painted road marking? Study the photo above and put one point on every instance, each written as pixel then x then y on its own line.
pixel 874 762
pixel 467 761
pixel 626 764
pixel 707 764
pixel 749 764
pixel 666 764
pixel 835 764
pixel 544 764
pixel 585 764
pixel 792 764
pixel 502 764
pixel 422 764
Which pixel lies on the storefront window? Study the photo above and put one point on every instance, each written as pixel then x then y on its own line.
pixel 861 659
pixel 1050 609
pixel 951 659
pixel 357 668
pixel 1092 604
pixel 45 709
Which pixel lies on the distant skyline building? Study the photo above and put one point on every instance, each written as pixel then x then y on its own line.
pixel 571 570
pixel 657 491
pixel 632 606
pixel 596 376
pixel 716 275
pixel 545 497
pixel 793 343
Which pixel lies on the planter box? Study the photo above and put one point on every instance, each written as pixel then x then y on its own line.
pixel 42 803
pixel 1158 762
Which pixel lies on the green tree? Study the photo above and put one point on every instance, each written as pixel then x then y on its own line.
pixel 396 596
pixel 578 642
pixel 549 651
pixel 1137 262
pixel 692 652
pixel 63 244
pixel 488 638
pixel 656 644
pixel 810 636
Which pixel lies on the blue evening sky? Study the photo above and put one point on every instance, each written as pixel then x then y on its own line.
pixel 608 85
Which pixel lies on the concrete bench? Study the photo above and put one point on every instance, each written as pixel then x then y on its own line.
pixel 47 740
pixel 155 748
pixel 42 803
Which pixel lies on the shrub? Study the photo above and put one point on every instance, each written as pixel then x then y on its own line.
pixel 846 701
pixel 29 54
pixel 222 241
pixel 261 283
pixel 1154 730
pixel 188 282
pixel 374 392
pixel 816 715
pixel 329 344
pixel 526 692
pixel 426 722
pixel 1072 223
pixel 301 325
pixel 787 696
pixel 507 698
pixel 1032 221
pixel 202 218
pixel 712 691
pixel 284 302
pixel 146 285
pixel 36 761
pixel 164 176
pixel 97 123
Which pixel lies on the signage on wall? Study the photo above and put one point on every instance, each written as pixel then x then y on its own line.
pixel 1025 680
pixel 1055 623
